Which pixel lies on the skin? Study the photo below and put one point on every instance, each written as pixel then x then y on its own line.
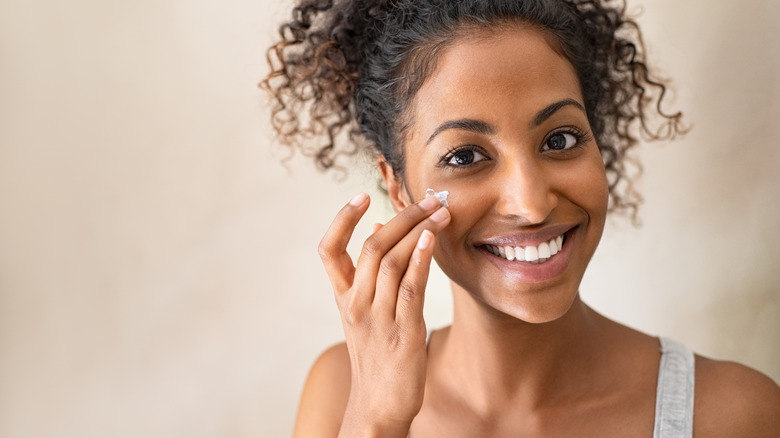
pixel 524 355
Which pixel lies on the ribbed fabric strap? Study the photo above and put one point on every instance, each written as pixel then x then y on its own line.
pixel 674 395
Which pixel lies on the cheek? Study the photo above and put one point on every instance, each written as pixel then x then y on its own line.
pixel 597 182
pixel 587 187
pixel 457 190
pixel 464 194
pixel 467 204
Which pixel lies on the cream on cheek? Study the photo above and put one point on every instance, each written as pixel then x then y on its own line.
pixel 463 197
pixel 440 196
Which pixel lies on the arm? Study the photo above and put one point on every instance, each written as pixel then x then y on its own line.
pixel 325 395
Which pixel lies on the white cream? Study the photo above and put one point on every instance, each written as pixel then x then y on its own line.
pixel 532 254
pixel 441 196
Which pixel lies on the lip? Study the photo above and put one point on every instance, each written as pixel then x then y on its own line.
pixel 530 272
pixel 527 238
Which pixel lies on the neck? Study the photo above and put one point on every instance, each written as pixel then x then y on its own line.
pixel 490 356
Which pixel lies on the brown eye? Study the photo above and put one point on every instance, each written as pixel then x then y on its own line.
pixel 561 141
pixel 464 157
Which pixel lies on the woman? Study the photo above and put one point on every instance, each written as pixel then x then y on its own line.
pixel 523 111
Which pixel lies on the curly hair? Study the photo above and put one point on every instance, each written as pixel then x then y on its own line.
pixel 344 74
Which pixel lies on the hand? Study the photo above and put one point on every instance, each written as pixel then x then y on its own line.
pixel 381 306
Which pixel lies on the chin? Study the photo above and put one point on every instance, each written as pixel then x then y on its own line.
pixel 530 305
pixel 539 314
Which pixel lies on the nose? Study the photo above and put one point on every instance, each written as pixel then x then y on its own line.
pixel 526 192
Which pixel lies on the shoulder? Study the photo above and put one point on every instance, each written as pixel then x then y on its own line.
pixel 734 400
pixel 325 394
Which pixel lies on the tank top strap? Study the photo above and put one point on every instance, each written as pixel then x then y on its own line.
pixel 674 394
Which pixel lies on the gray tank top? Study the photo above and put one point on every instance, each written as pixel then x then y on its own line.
pixel 674 394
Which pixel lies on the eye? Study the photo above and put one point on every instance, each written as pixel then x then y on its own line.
pixel 561 141
pixel 463 157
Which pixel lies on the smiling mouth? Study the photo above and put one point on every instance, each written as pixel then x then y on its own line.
pixel 529 254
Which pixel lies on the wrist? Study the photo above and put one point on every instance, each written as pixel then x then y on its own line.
pixel 359 424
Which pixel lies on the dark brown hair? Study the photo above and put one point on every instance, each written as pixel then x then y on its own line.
pixel 344 74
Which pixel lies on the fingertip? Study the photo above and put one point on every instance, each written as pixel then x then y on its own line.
pixel 425 240
pixel 440 215
pixel 429 203
pixel 359 199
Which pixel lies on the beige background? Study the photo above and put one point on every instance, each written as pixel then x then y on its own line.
pixel 158 272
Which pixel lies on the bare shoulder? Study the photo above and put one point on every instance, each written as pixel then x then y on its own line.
pixel 325 395
pixel 734 400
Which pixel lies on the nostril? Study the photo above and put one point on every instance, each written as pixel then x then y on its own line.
pixel 530 206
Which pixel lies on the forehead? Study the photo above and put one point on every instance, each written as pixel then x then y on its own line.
pixel 501 76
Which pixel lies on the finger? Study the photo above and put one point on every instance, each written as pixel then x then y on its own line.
pixel 394 265
pixel 389 234
pixel 377 226
pixel 333 246
pixel 411 292
pixel 378 244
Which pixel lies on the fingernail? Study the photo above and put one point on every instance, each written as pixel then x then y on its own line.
pixel 429 203
pixel 359 199
pixel 425 239
pixel 441 215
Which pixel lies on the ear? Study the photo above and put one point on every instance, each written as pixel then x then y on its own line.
pixel 396 189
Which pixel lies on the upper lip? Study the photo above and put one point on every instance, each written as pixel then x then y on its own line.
pixel 526 238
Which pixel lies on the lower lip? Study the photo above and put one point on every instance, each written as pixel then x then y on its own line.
pixel 535 272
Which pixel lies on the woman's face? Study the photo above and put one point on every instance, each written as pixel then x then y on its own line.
pixel 501 125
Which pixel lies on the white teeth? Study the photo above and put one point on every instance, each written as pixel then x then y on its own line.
pixel 510 253
pixel 544 250
pixel 531 254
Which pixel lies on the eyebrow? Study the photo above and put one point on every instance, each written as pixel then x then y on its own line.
pixel 546 113
pixel 477 126
pixel 481 127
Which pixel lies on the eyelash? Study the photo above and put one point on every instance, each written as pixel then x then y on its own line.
pixel 580 137
pixel 445 160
